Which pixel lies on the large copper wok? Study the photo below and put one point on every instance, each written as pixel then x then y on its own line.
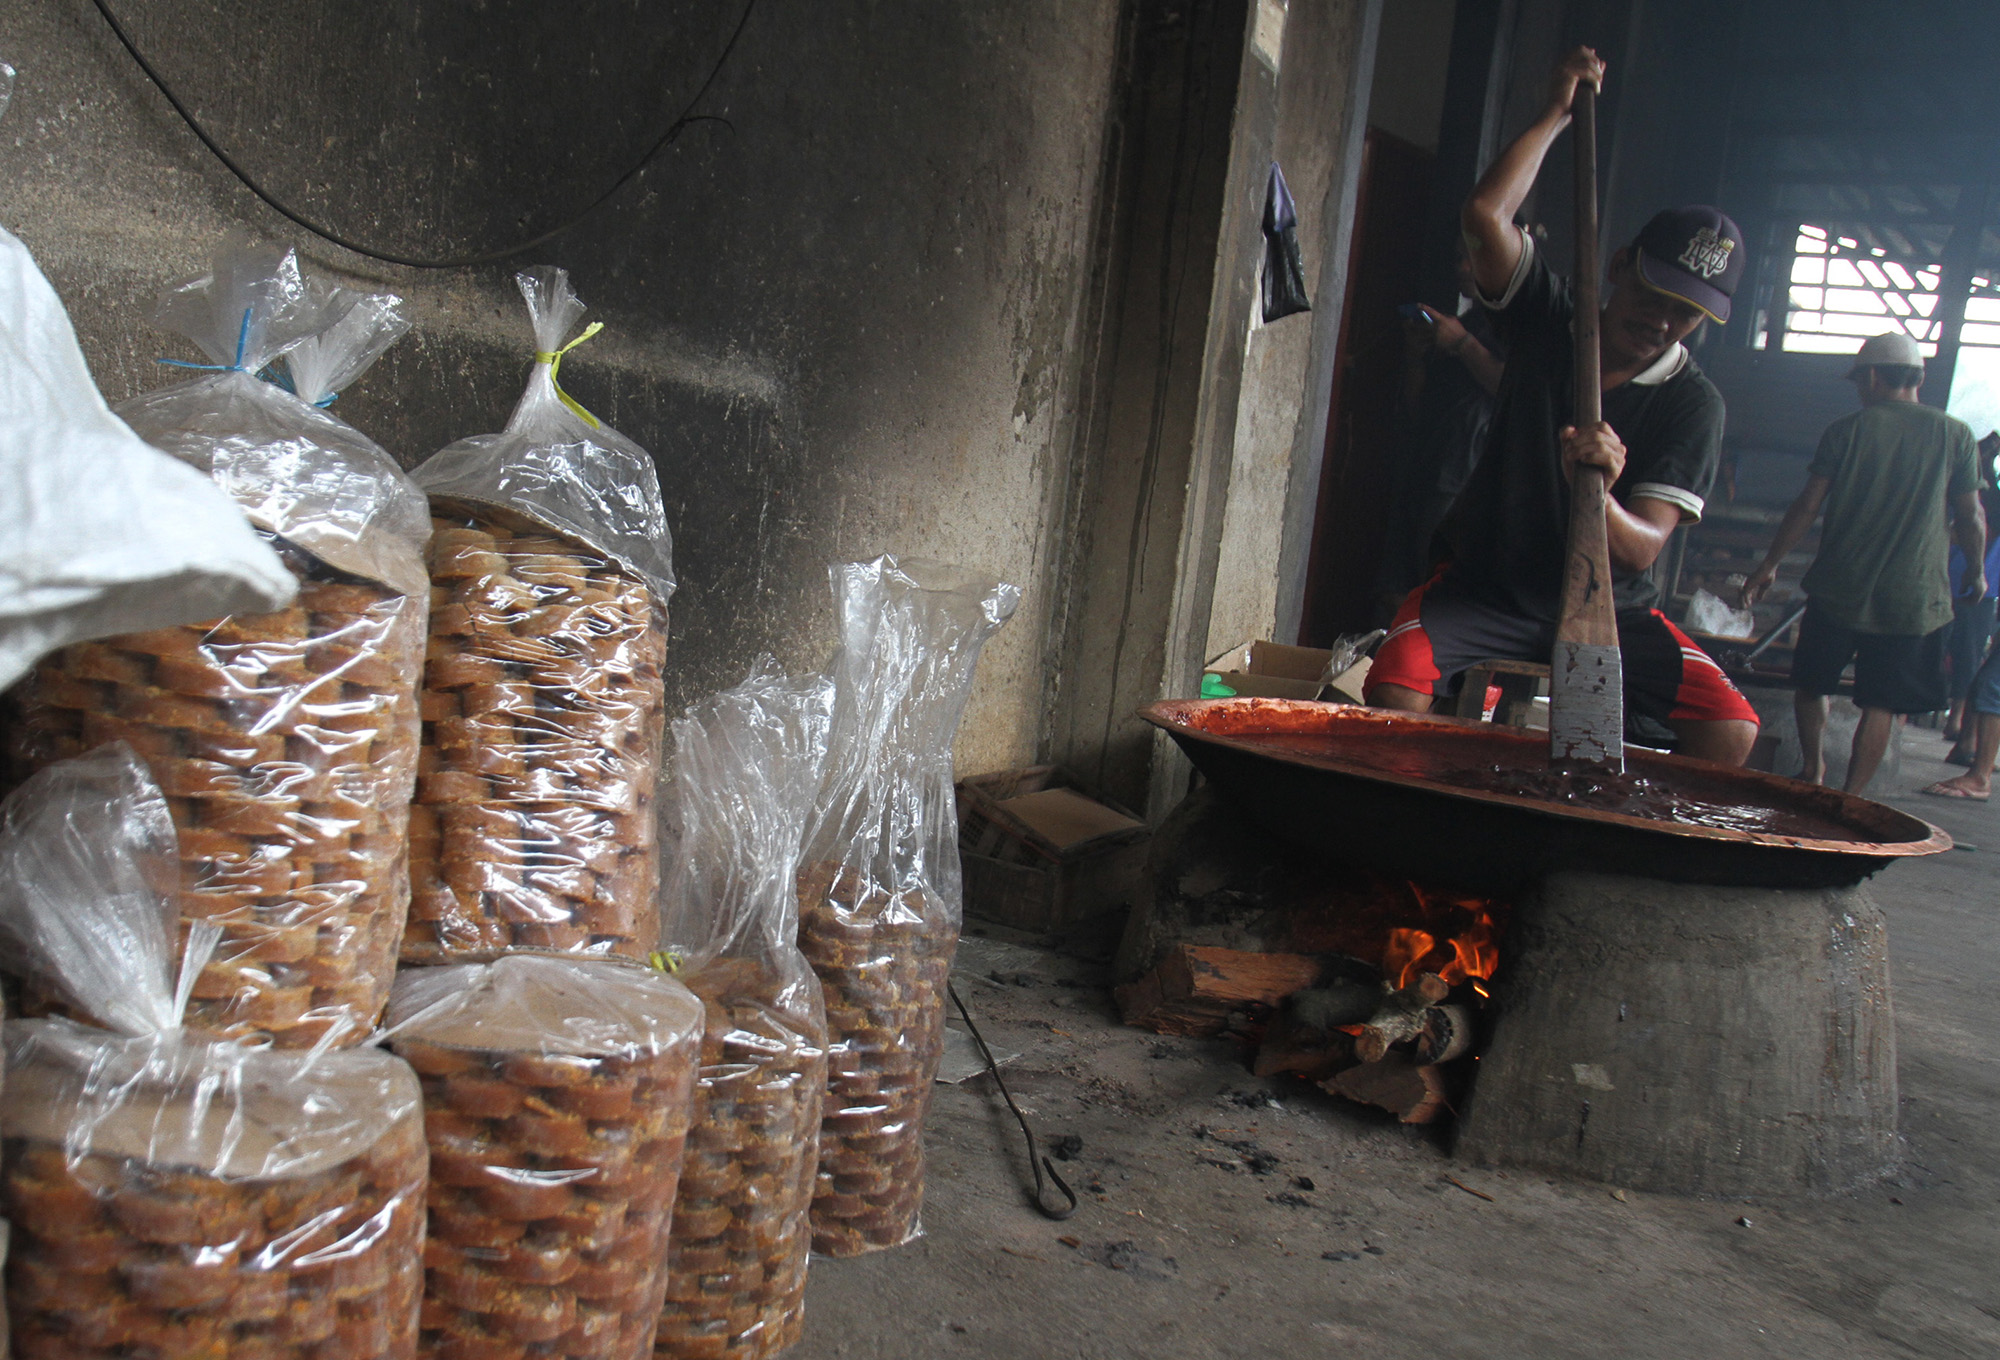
pixel 1371 793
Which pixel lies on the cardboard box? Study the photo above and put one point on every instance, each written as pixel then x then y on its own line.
pixel 1272 670
pixel 1043 855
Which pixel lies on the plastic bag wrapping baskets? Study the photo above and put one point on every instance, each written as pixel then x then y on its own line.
pixel 557 1093
pixel 286 742
pixel 543 711
pixel 543 701
pixel 170 1194
pixel 746 765
pixel 880 894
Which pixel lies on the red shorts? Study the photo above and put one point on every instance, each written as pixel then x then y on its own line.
pixel 1440 631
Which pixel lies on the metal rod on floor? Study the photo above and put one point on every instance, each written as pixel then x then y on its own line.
pixel 1036 1162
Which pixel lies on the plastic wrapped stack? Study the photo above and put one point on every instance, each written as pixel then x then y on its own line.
pixel 543 704
pixel 435 738
pixel 171 1194
pixel 557 1097
pixel 746 764
pixel 880 893
pixel 286 742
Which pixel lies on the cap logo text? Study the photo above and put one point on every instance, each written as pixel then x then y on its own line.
pixel 1707 254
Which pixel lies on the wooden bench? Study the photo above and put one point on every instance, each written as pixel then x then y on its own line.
pixel 1519 681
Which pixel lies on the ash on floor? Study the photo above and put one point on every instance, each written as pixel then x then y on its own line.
pixel 1396 1250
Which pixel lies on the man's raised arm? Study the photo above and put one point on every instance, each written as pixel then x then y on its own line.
pixel 1799 517
pixel 1492 241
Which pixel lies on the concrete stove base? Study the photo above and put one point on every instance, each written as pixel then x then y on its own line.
pixel 1690 1040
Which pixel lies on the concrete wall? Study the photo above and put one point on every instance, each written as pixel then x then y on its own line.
pixel 1288 365
pixel 844 323
pixel 1199 441
pixel 1411 60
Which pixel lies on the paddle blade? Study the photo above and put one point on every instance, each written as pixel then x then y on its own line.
pixel 1586 706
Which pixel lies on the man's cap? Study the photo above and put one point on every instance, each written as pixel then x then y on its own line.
pixel 1890 349
pixel 1695 254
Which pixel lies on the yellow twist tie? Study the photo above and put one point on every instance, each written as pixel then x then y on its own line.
pixel 664 961
pixel 553 358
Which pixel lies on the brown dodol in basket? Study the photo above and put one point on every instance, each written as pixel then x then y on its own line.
pixel 884 970
pixel 737 1262
pixel 286 744
pixel 556 1133
pixel 543 710
pixel 268 1247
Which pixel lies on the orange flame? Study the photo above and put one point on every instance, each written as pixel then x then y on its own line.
pixel 1470 954
pixel 1477 954
pixel 1405 950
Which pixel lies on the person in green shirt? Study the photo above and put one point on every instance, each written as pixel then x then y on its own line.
pixel 1890 477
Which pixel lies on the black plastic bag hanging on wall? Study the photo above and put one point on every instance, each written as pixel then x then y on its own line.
pixel 1284 270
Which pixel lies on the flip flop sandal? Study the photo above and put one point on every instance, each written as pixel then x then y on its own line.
pixel 1938 790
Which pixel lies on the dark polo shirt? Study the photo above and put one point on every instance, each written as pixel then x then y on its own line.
pixel 1509 531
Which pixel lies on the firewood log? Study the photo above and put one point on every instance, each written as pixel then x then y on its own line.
pixel 1400 1017
pixel 1412 1091
pixel 1196 987
pixel 1142 1005
pixel 1447 1034
pixel 1343 1001
pixel 1294 1046
pixel 1232 977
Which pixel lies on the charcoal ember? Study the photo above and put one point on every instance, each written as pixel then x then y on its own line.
pixel 884 965
pixel 287 746
pixel 543 711
pixel 742 1230
pixel 557 1100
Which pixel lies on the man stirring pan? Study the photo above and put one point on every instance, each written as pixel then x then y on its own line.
pixel 1878 592
pixel 1658 444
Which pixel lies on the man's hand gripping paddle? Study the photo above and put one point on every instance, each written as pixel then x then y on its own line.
pixel 1586 674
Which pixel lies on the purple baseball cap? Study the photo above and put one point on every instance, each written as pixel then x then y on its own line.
pixel 1695 254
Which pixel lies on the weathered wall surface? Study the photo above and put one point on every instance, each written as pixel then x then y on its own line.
pixel 1281 415
pixel 843 323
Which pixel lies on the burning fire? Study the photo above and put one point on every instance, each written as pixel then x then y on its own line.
pixel 1468 954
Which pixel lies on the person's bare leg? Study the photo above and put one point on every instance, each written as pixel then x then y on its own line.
pixel 1871 741
pixel 1960 729
pixel 1400 697
pixel 1810 712
pixel 1727 741
pixel 1977 782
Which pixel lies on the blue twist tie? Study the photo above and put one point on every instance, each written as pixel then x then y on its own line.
pixel 276 377
pixel 282 379
pixel 242 340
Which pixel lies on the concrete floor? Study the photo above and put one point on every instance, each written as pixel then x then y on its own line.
pixel 1219 1265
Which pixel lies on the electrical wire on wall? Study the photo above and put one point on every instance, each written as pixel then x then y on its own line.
pixel 687 118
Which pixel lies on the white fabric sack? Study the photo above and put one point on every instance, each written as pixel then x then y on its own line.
pixel 105 534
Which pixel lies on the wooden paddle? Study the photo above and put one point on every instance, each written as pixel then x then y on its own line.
pixel 1586 674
